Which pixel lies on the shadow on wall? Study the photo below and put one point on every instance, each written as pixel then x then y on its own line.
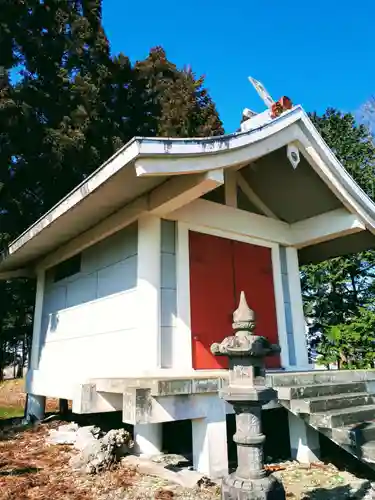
pixel 50 323
pixel 53 321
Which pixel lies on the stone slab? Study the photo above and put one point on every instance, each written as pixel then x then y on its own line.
pixel 184 477
pixel 333 402
pixel 314 377
pixel 319 390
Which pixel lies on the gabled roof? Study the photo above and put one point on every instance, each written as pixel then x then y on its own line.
pixel 145 163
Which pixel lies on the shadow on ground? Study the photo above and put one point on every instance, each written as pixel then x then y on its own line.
pixel 343 460
pixel 10 427
pixel 20 472
pixel 340 492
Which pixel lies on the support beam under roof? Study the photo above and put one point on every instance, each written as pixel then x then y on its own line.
pixel 253 197
pixel 182 190
pixel 325 227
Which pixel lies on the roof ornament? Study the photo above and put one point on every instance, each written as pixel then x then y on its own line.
pixel 262 92
pixel 277 108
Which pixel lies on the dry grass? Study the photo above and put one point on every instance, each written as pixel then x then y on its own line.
pixel 31 470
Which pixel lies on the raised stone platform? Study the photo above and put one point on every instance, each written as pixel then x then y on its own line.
pixel 150 399
pixel 339 404
pixel 162 396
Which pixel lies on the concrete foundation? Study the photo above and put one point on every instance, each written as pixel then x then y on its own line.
pixel 210 449
pixel 63 407
pixel 35 408
pixel 148 439
pixel 304 440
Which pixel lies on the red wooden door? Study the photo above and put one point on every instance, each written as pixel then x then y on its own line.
pixel 211 296
pixel 219 270
pixel 254 275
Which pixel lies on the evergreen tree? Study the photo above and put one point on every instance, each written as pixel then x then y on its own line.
pixel 73 106
pixel 366 114
pixel 335 290
pixel 176 102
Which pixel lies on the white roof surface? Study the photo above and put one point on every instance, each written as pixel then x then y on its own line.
pixel 144 163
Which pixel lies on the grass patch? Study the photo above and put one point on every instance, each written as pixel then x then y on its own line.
pixel 12 399
pixel 6 413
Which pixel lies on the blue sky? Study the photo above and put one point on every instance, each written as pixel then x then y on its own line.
pixel 319 53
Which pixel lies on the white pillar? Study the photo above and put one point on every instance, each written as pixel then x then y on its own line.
pixel 278 276
pixel 182 350
pixel 210 448
pixel 304 440
pixel 298 317
pixel 35 404
pixel 37 323
pixel 148 439
pixel 148 289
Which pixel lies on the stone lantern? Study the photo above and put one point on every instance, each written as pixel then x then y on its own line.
pixel 247 393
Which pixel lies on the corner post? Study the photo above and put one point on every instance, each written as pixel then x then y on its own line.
pixel 149 289
pixel 35 404
pixel 148 437
pixel 298 317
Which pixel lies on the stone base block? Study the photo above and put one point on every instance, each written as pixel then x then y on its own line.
pixel 210 446
pixel 265 488
pixel 148 439
pixel 35 408
pixel 304 440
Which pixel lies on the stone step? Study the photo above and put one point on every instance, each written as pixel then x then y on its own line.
pixel 356 434
pixel 367 452
pixel 314 377
pixel 344 417
pixel 333 402
pixel 361 447
pixel 320 390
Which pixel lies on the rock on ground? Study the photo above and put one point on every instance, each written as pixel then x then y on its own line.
pixel 65 434
pixel 97 451
pixel 101 454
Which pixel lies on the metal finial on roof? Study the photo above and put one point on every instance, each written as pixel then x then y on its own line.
pixel 262 92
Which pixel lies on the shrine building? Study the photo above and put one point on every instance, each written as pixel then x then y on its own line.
pixel 140 268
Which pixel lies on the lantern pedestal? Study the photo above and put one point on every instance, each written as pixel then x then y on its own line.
pixel 247 393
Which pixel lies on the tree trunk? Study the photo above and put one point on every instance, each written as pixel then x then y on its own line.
pixel 24 351
pixel 15 364
pixel 1 361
